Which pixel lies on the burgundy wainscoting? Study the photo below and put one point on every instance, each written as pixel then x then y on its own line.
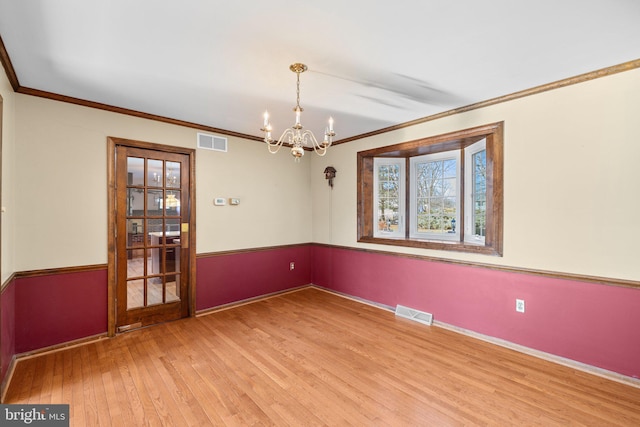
pixel 586 322
pixel 236 276
pixel 8 322
pixel 58 308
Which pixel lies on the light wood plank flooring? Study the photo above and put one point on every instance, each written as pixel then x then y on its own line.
pixel 313 358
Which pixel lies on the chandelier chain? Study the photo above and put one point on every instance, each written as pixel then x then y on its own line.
pixel 298 90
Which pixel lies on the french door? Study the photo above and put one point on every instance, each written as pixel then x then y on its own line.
pixel 153 253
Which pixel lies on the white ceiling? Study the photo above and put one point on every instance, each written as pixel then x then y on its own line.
pixel 372 64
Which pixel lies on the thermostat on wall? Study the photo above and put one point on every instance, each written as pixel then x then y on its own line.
pixel 219 201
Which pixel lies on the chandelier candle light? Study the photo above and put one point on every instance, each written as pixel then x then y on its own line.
pixel 295 135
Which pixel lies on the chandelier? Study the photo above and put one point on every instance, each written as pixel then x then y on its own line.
pixel 295 135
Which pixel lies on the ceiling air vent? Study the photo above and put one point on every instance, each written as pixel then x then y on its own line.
pixel 212 142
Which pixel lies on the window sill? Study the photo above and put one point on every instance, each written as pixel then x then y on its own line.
pixel 443 245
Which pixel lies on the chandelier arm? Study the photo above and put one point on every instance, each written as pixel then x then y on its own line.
pixel 319 148
pixel 272 150
pixel 274 146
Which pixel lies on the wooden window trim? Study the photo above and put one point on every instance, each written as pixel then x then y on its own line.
pixel 451 141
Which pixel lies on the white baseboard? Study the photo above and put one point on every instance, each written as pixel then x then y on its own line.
pixel 235 304
pixel 594 370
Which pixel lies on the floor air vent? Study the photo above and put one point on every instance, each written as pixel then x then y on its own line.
pixel 410 313
pixel 212 142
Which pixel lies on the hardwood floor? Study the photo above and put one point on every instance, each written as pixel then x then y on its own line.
pixel 313 358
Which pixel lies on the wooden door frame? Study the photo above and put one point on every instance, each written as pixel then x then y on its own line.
pixel 112 143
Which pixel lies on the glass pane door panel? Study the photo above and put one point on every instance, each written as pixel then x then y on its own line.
pixel 155 202
pixel 135 263
pixel 172 203
pixel 149 262
pixel 135 293
pixel 154 291
pixel 172 227
pixel 173 175
pixel 172 261
pixel 130 198
pixel 153 264
pixel 154 228
pixel 134 232
pixel 135 171
pixel 135 201
pixel 155 173
pixel 172 292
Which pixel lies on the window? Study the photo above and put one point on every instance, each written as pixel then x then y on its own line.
pixel 442 192
pixel 434 200
pixel 389 193
pixel 476 182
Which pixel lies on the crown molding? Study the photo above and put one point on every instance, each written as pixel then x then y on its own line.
pixel 604 72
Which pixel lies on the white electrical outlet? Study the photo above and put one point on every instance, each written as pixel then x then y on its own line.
pixel 292 265
pixel 520 305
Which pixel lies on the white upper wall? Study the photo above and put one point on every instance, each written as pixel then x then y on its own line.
pixel 571 177
pixel 571 173
pixel 61 175
pixel 7 267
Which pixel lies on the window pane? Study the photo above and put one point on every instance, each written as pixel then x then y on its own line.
pixel 436 206
pixel 423 180
pixel 480 222
pixel 173 175
pixel 155 203
pixel 383 188
pixel 434 224
pixel 449 168
pixel 172 262
pixel 135 293
pixel 423 223
pixel 154 290
pixel 449 187
pixel 450 207
pixel 388 198
pixel 130 198
pixel 154 226
pixel 154 173
pixel 479 193
pixel 135 171
pixel 172 227
pixel 172 291
pixel 135 264
pixel 172 202
pixel 388 215
pixel 150 261
pixel 392 189
pixel 134 232
pixel 436 198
